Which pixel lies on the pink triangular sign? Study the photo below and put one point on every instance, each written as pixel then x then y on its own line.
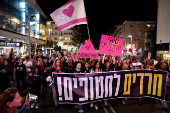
pixel 88 51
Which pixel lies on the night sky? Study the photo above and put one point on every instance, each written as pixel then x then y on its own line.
pixel 105 14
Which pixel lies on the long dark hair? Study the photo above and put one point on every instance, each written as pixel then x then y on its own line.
pixel 7 61
pixel 94 66
pixel 143 65
pixel 7 95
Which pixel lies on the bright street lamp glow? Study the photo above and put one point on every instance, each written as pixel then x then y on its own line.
pixel 129 36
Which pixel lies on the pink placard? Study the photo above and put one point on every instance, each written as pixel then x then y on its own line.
pixel 111 45
pixel 87 51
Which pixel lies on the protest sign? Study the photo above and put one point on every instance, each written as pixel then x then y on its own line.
pixel 88 51
pixel 111 45
pixel 86 88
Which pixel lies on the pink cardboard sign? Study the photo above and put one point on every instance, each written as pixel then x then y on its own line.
pixel 87 51
pixel 111 45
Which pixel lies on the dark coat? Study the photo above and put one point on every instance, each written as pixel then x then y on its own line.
pixel 36 84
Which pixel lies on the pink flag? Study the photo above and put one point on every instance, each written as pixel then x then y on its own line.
pixel 70 14
pixel 88 51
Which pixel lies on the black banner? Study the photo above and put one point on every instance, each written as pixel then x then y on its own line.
pixel 84 88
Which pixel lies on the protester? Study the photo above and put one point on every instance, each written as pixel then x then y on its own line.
pixel 46 73
pixel 6 75
pixel 20 75
pixel 35 86
pixel 34 62
pixel 95 69
pixel 87 68
pixel 69 65
pixel 39 56
pixel 78 70
pixel 52 60
pixel 55 69
pixel 10 100
pixel 108 66
pixel 41 69
pixel 28 65
pixel 1 60
pixel 32 56
pixel 11 60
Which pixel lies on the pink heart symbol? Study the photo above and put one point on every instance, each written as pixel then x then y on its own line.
pixel 69 12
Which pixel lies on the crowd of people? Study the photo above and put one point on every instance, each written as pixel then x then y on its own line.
pixel 34 72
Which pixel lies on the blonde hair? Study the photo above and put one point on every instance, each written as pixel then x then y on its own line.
pixel 54 64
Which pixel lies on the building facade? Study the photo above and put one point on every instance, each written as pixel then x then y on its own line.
pixel 14 24
pixel 132 31
pixel 150 26
pixel 163 30
pixel 66 39
pixel 137 32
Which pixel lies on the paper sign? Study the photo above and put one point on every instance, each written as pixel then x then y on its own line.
pixel 87 51
pixel 111 45
pixel 155 62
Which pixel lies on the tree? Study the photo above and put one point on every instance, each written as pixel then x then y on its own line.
pixel 49 44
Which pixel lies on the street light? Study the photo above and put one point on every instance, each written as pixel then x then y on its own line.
pixel 29 40
pixel 50 33
pixel 131 38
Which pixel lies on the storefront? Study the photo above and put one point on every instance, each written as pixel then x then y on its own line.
pixel 163 55
pixel 7 47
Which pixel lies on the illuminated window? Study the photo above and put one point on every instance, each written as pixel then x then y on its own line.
pixel 148 25
pixel 67 38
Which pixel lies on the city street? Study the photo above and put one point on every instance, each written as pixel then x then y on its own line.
pixel 46 105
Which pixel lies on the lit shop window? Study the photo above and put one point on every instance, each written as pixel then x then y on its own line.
pixel 148 25
pixel 67 38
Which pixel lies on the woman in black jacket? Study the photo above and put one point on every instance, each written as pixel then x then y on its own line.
pixel 36 85
pixel 5 75
pixel 20 75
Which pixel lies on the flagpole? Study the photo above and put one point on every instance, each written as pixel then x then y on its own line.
pixel 88 29
pixel 87 22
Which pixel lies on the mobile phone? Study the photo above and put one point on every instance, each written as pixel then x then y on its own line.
pixel 32 97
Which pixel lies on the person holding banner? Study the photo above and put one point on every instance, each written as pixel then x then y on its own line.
pixel 55 69
pixel 87 70
pixel 78 70
pixel 164 68
pixel 69 65
pixel 106 66
pixel 96 68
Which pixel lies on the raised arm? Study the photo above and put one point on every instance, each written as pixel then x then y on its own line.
pixel 113 57
pixel 103 59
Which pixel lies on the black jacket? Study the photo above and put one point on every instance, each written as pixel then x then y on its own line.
pixel 20 70
pixel 36 84
pixel 111 68
pixel 6 72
